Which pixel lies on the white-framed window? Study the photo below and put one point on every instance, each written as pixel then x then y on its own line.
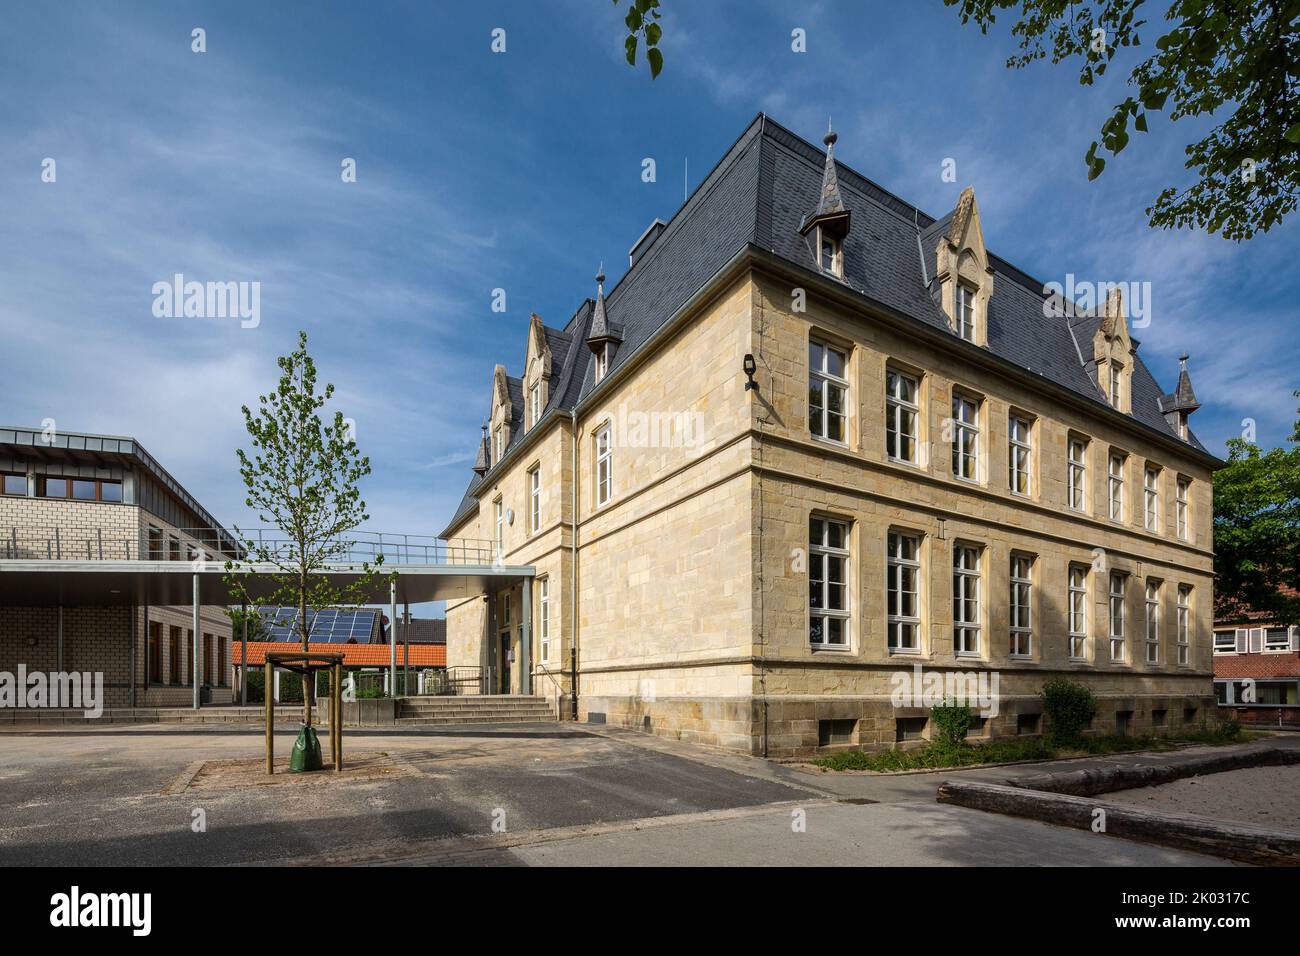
pixel 1022 627
pixel 499 510
pixel 505 609
pixel 1182 425
pixel 1184 634
pixel 498 444
pixel 1182 504
pixel 965 437
pixel 1153 622
pixel 830 253
pixel 1151 498
pixel 1277 639
pixel 1019 453
pixel 828 389
pixel 966 599
pixel 534 404
pixel 902 416
pixel 902 595
pixel 1225 642
pixel 1115 486
pixel 1115 380
pixel 965 312
pixel 1078 613
pixel 604 466
pixel 602 361
pixel 828 591
pixel 1118 583
pixel 535 499
pixel 1077 475
pixel 544 616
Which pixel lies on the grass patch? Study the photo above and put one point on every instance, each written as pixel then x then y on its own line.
pixel 936 756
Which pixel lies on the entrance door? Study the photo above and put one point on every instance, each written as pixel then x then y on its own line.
pixel 503 661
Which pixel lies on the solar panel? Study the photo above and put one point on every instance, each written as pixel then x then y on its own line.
pixel 328 625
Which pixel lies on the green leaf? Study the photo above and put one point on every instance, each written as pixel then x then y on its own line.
pixel 1095 167
pixel 656 61
pixel 1140 123
pixel 1293 134
pixel 653 32
pixel 630 46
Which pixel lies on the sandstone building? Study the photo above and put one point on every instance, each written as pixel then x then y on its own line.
pixel 937 464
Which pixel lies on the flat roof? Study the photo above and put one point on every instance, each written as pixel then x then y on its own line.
pixel 171 583
pixel 33 442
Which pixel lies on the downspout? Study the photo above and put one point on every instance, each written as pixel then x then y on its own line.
pixel 573 564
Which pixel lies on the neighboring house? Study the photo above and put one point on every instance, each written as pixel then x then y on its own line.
pixel 68 496
pixel 935 467
pixel 1257 669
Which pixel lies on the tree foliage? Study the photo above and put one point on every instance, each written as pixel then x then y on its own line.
pixel 1234 60
pixel 643 27
pixel 1257 530
pixel 302 478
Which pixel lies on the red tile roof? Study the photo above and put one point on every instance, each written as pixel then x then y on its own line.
pixel 354 655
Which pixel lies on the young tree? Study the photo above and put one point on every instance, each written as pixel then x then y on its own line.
pixel 302 477
pixel 1231 59
pixel 1257 530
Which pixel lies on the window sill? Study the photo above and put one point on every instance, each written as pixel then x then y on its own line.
pixel 830 648
pixel 1021 657
pixel 834 443
pixel 902 461
pixel 969 655
pixel 905 651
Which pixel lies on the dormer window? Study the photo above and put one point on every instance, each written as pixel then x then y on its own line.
pixel 534 404
pixel 602 362
pixel 1115 379
pixel 497 444
pixel 965 312
pixel 830 255
pixel 1182 425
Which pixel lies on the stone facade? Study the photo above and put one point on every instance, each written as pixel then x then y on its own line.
pixel 692 580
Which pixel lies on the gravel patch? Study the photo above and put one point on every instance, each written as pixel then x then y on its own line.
pixel 1268 796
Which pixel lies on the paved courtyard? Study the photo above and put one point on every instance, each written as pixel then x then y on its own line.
pixel 525 794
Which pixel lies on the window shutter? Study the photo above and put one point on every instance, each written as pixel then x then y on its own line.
pixel 1295 638
pixel 1256 640
pixel 1242 637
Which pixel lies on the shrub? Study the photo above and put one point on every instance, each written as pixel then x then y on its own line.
pixel 1069 705
pixel 952 720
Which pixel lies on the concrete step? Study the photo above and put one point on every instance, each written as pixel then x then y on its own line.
pixel 477 719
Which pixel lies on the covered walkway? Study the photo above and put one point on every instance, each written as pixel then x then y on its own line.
pixel 410 575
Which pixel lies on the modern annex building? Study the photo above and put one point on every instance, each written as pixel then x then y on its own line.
pixel 936 465
pixel 69 499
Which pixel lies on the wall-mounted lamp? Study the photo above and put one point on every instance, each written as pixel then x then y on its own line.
pixel 750 367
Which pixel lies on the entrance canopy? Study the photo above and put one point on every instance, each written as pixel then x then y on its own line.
pixel 168 583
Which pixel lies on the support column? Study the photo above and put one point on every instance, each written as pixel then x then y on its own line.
pixel 269 701
pixel 526 637
pixel 195 676
pixel 406 648
pixel 392 638
pixel 243 659
pixel 58 656
pixel 130 656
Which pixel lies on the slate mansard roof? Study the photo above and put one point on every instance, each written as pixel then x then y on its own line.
pixel 759 195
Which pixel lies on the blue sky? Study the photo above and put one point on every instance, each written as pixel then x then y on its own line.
pixel 519 171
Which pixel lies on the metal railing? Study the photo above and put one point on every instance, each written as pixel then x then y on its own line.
pixel 207 545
